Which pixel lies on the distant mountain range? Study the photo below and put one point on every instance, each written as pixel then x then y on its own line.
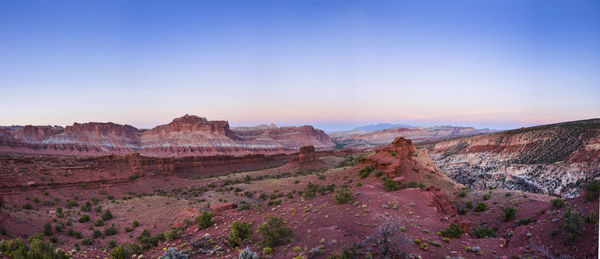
pixel 381 126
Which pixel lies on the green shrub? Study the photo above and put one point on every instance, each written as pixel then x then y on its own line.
pixel 244 206
pixel 204 220
pixel 591 218
pixel 87 206
pixel 509 213
pixel 59 226
pixel 572 226
pixel 480 207
pixel 110 231
pixel 134 248
pixel 86 242
pixel 48 229
pixel 462 194
pixel 469 204
pixel 99 222
pixel 240 231
pixel 378 173
pixel 390 185
pixel 592 190
pixel 27 206
pixel 486 197
pixel 84 218
pixel 107 215
pixel 267 251
pixel 452 231
pixel 72 203
pixel 557 203
pixel 112 244
pixel 135 223
pixel 149 241
pixel 343 195
pixel 97 233
pixel 120 252
pixel 273 203
pixel 311 189
pixel 523 221
pixel 274 232
pixel 321 177
pixel 366 171
pixel 34 248
pixel 481 232
pixel 173 234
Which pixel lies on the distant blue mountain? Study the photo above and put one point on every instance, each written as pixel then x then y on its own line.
pixel 382 126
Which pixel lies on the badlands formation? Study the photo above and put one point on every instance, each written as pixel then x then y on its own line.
pixel 195 188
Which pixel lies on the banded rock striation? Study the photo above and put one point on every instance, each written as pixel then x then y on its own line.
pixel 556 158
pixel 184 136
pixel 419 135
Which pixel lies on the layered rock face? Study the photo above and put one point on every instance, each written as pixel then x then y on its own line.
pixel 189 131
pixel 556 159
pixel 368 139
pixel 287 136
pixel 184 136
pixel 109 135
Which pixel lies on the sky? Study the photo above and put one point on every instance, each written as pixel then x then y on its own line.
pixel 333 64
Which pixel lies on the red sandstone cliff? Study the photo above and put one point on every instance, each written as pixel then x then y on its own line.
pixel 185 136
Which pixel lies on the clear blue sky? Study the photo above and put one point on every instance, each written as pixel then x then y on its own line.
pixel 334 64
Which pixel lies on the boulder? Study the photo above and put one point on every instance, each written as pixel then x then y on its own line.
pixel 465 225
pixel 222 206
pixel 432 188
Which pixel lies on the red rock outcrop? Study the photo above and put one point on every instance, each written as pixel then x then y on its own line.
pixel 222 206
pixel 400 162
pixel 306 154
pixel 31 133
pixel 3 215
pixel 395 159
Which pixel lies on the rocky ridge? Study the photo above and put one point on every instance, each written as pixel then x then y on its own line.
pixel 369 139
pixel 187 135
pixel 556 159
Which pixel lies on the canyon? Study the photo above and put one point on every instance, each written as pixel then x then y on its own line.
pixel 556 159
pixel 335 192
